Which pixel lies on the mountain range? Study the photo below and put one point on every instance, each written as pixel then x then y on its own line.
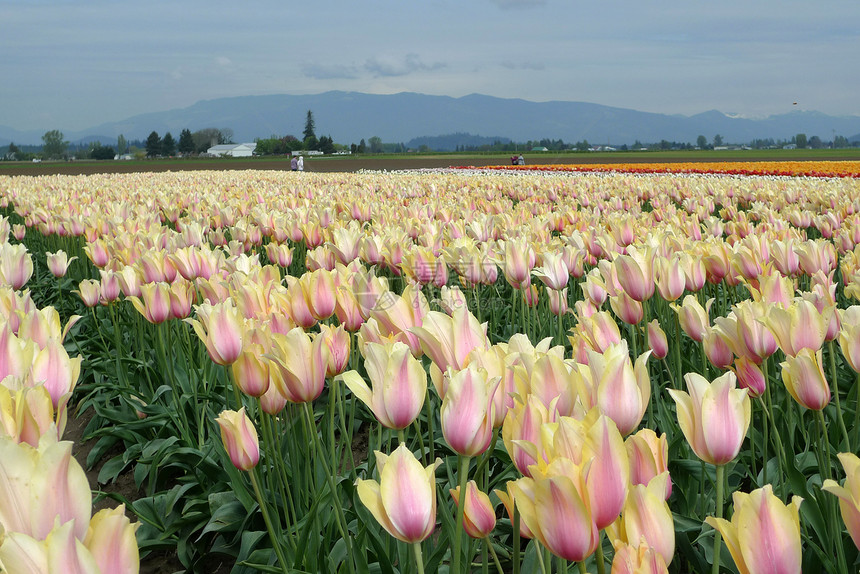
pixel 349 117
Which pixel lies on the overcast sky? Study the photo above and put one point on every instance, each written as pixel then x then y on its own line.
pixel 75 64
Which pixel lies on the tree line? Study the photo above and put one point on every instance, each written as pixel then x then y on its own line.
pixel 190 143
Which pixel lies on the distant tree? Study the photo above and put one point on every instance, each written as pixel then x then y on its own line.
pixel 718 140
pixel 121 144
pixel 800 141
pixel 186 142
pixel 838 141
pixel 815 142
pixel 168 145
pixel 582 146
pixel 310 127
pixel 375 144
pixel 353 148
pixel 53 144
pixel 225 136
pixel 206 138
pixel 12 151
pixel 326 145
pixel 702 142
pixel 153 145
pixel 362 147
pixel 99 151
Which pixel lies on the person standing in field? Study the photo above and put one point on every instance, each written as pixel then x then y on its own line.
pixel 520 160
pixel 294 164
pixel 300 164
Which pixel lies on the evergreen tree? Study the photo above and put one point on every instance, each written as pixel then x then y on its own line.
pixel 326 144
pixel 186 142
pixel 168 145
pixel 153 145
pixel 310 127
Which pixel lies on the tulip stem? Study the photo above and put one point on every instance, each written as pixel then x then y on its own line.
pixel 857 407
pixel 495 556
pixel 598 557
pixel 540 558
pixel 516 525
pixel 718 539
pixel 582 568
pixel 677 351
pixel 824 469
pixel 276 543
pixel 419 557
pixel 835 381
pixel 669 372
pixel 560 327
pixel 341 521
pixel 462 475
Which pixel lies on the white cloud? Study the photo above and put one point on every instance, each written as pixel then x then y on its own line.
pixel 387 66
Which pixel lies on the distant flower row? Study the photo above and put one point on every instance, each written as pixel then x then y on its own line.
pixel 775 168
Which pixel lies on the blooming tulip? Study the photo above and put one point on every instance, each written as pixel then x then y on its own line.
pixel 58 490
pixel 301 363
pixel 849 495
pixel 448 340
pixel 849 336
pixel 629 559
pixel 59 372
pixel 111 540
pixel 220 327
pixel 717 348
pixel 647 516
pixel 554 506
pixel 59 551
pixel 404 499
pixel 714 417
pixel 620 389
pixel 764 534
pixel 595 439
pixel 251 371
pixel 58 263
pixel 750 377
pixel 693 317
pixel 338 342
pixel 553 273
pixel 800 326
pixel 153 303
pixel 16 265
pixel 649 457
pixel 89 291
pixel 240 438
pixel 467 411
pixel 398 384
pixel 635 276
pixel 599 330
pixel 804 379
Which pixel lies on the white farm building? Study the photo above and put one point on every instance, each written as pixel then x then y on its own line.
pixel 233 150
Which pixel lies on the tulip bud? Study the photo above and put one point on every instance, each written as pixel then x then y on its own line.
pixel 479 517
pixel 657 340
pixel 240 438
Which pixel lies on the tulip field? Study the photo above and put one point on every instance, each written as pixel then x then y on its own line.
pixel 607 369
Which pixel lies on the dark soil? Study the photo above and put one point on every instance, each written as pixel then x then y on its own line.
pixel 155 562
pixel 339 164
